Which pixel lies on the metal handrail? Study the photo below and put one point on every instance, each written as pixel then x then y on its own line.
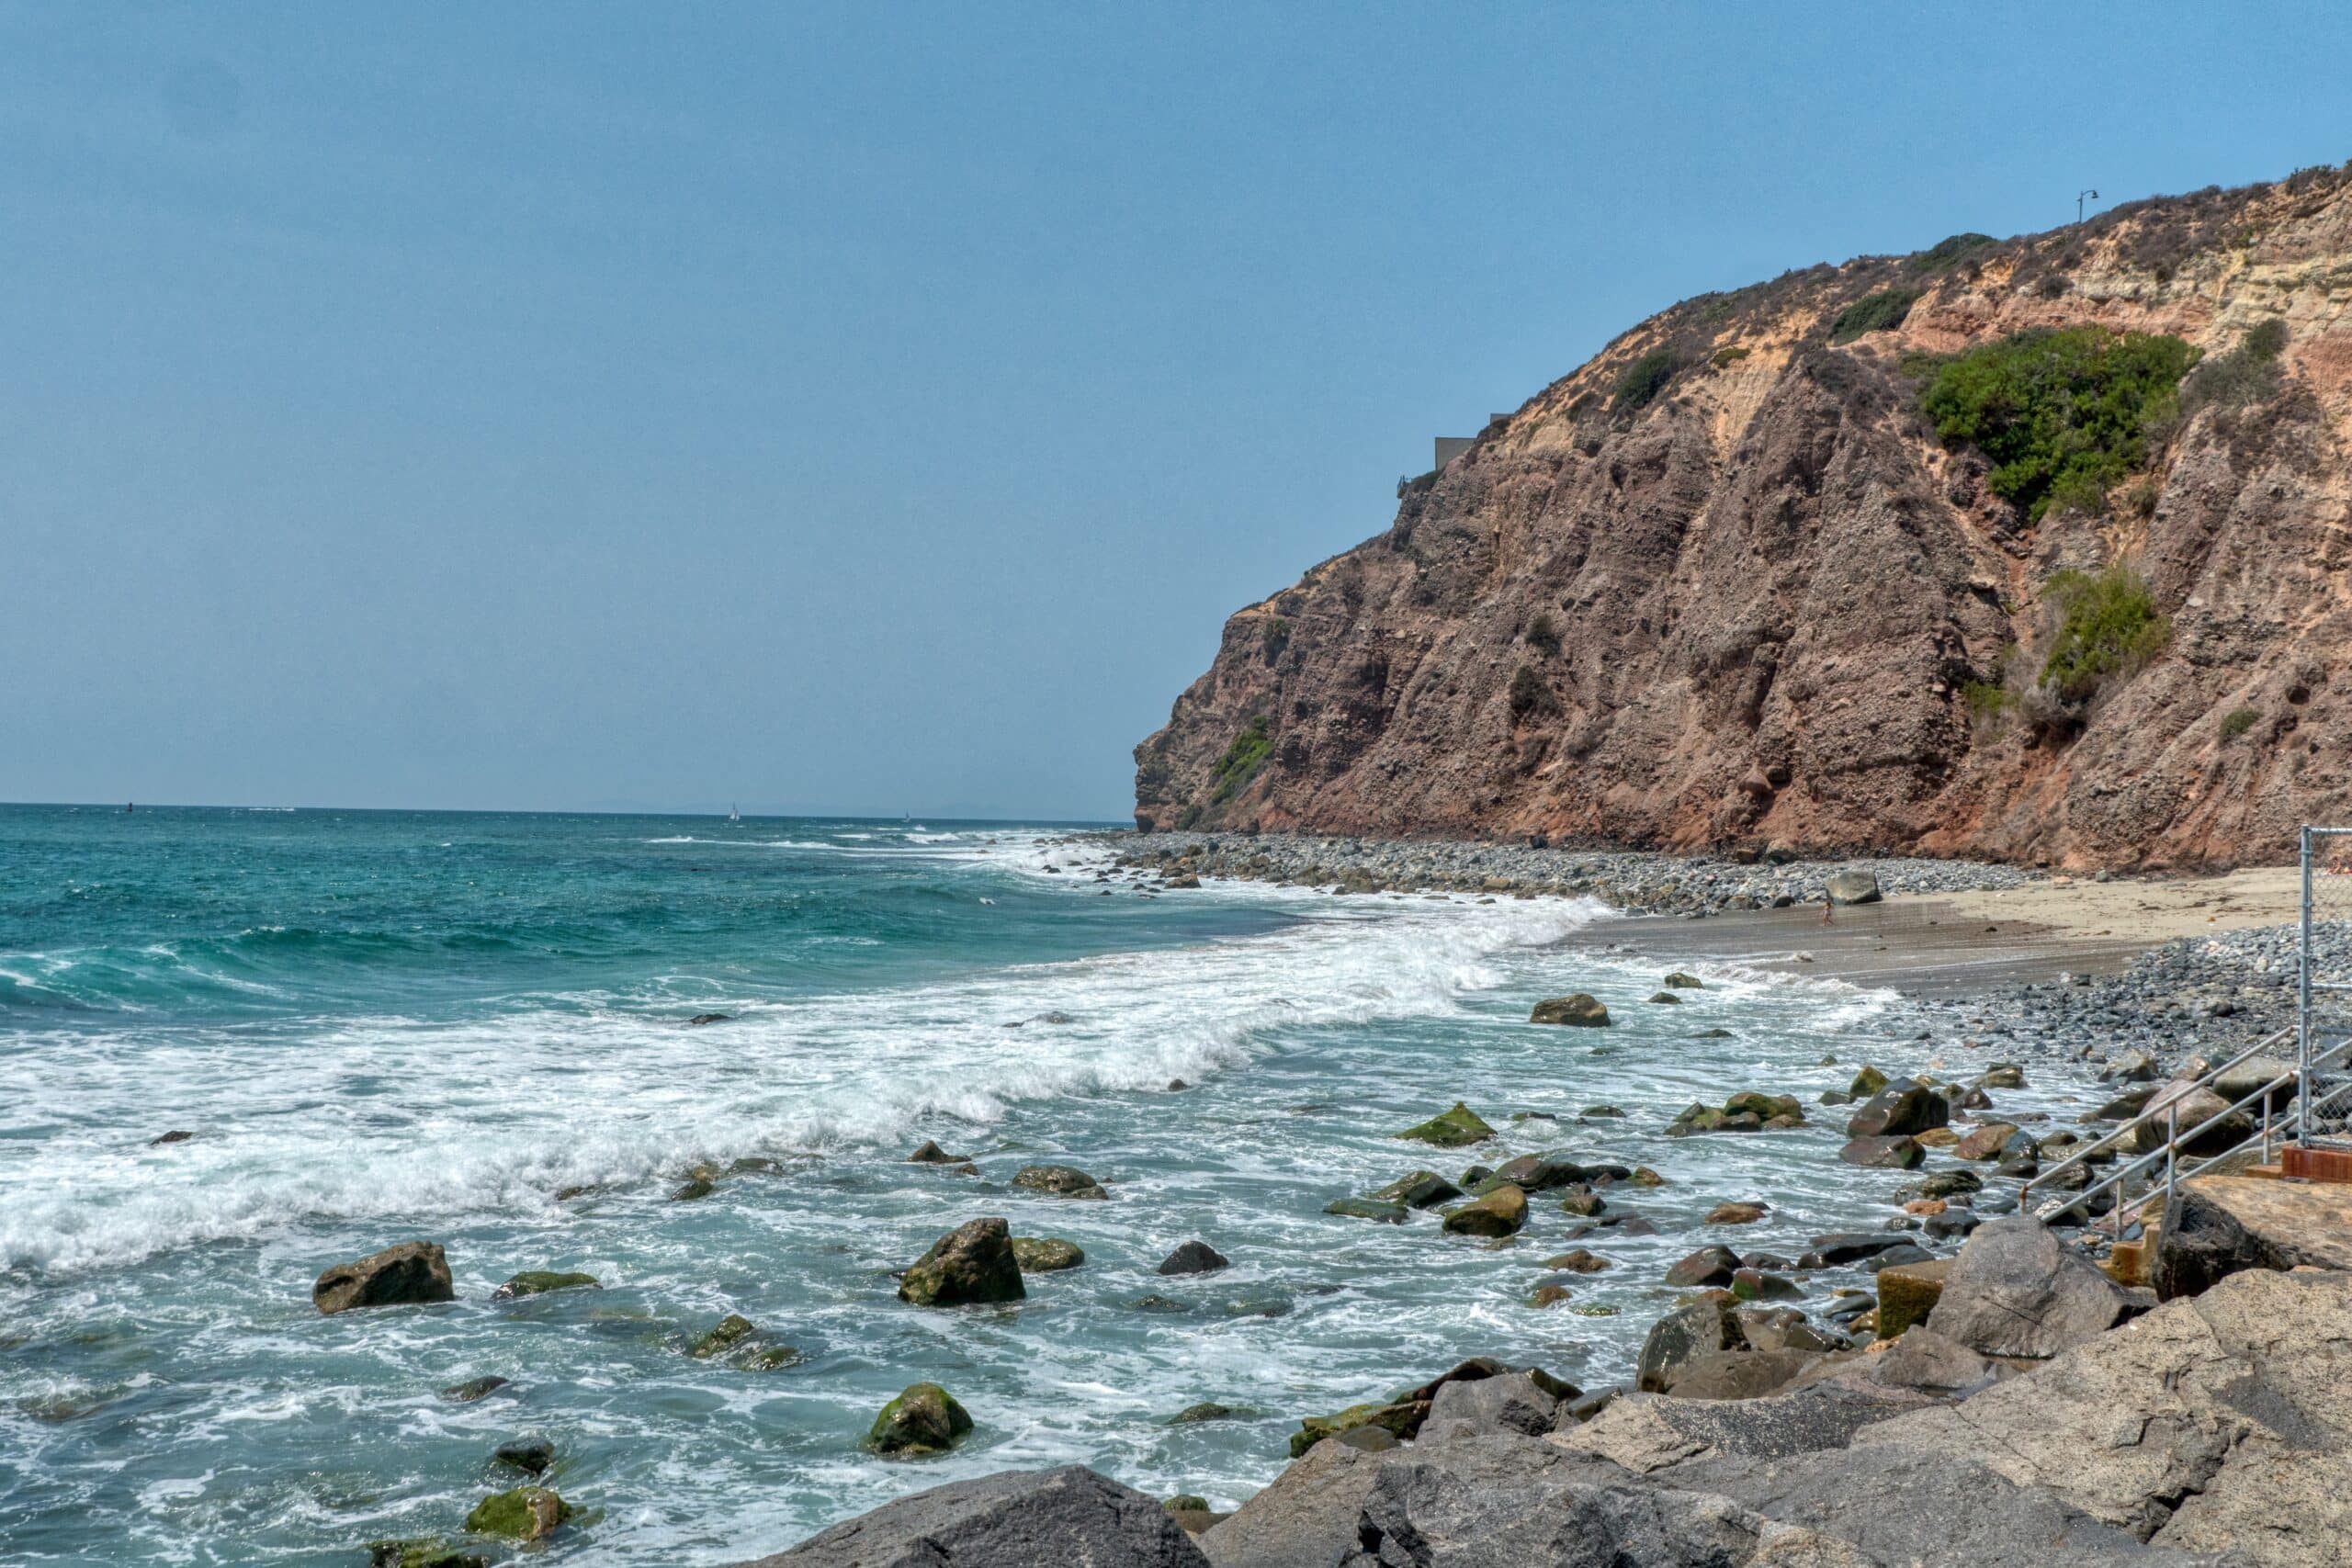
pixel 2199 1082
pixel 2141 1204
pixel 2173 1136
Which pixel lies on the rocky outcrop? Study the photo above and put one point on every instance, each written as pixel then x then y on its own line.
pixel 2016 1290
pixel 1723 585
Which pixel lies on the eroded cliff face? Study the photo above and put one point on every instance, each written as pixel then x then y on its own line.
pixel 1754 609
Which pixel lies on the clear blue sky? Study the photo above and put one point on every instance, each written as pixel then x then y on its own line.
pixel 881 407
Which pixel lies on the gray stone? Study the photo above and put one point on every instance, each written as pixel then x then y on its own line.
pixel 1013 1519
pixel 974 1262
pixel 1851 886
pixel 1674 1340
pixel 1512 1402
pixel 2016 1289
pixel 1195 1257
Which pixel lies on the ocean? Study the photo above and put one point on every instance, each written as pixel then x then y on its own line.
pixel 473 1028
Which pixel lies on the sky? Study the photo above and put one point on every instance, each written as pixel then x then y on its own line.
pixel 874 408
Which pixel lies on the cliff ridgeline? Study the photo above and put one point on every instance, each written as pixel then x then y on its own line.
pixel 2030 549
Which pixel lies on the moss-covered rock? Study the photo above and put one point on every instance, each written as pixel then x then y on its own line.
pixel 1046 1254
pixel 539 1281
pixel 1907 1293
pixel 924 1419
pixel 520 1513
pixel 1500 1212
pixel 1454 1129
pixel 1400 1419
pixel 1578 1011
pixel 1367 1209
pixel 1207 1410
pixel 1666 998
pixel 1866 1082
pixel 1681 982
pixel 731 1332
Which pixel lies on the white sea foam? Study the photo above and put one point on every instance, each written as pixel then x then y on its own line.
pixel 382 1117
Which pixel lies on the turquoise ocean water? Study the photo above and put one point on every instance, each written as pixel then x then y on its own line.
pixel 383 1025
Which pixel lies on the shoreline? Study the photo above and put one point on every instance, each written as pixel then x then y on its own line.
pixel 2078 968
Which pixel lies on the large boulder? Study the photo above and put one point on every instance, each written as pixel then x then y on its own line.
pixel 1046 1254
pixel 1418 1190
pixel 1895 1152
pixel 2207 1235
pixel 413 1271
pixel 1015 1519
pixel 1682 1335
pixel 974 1262
pixel 1851 886
pixel 1512 1402
pixel 2204 1121
pixel 1195 1257
pixel 2016 1290
pixel 1578 1010
pixel 1904 1106
pixel 1708 1265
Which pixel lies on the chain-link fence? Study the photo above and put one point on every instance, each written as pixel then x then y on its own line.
pixel 2323 1020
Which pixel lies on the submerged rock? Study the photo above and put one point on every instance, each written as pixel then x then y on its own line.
pixel 522 1512
pixel 1195 1257
pixel 930 1153
pixel 1457 1128
pixel 473 1389
pixel 1061 1180
pixel 924 1419
pixel 1420 1190
pixel 530 1455
pixel 1681 982
pixel 414 1271
pixel 539 1281
pixel 1578 1011
pixel 1046 1255
pixel 974 1263
pixel 1898 1153
pixel 731 1330
pixel 1367 1209
pixel 423 1551
pixel 1708 1265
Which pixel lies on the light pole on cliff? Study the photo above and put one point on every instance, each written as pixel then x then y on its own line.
pixel 2080 197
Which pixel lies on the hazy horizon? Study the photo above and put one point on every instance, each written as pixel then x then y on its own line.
pixel 857 413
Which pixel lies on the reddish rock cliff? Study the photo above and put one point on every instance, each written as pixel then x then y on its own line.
pixel 1757 606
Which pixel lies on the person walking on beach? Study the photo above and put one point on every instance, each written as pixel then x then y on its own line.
pixel 1827 905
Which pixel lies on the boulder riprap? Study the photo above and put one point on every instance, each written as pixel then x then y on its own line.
pixel 1454 1129
pixel 1500 1212
pixel 1015 1519
pixel 1578 1011
pixel 1061 1180
pixel 539 1281
pixel 1046 1255
pixel 2016 1290
pixel 974 1263
pixel 924 1419
pixel 521 1512
pixel 1195 1257
pixel 411 1272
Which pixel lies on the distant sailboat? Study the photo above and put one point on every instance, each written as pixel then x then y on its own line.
pixel 733 814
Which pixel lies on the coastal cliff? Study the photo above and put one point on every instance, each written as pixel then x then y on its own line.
pixel 2029 549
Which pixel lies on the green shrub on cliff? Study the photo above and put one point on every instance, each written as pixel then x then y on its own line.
pixel 1240 761
pixel 2247 374
pixel 1877 312
pixel 2237 722
pixel 1950 253
pixel 1644 378
pixel 2063 413
pixel 2109 625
